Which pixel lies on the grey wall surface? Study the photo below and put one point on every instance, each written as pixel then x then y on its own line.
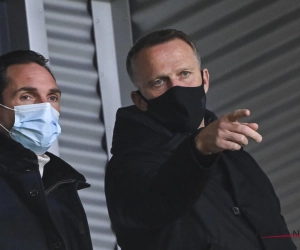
pixel 13 28
pixel 252 51
pixel 4 32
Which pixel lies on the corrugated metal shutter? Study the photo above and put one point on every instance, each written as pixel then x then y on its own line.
pixel 71 52
pixel 252 51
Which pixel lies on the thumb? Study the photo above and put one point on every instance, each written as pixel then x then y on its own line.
pixel 238 114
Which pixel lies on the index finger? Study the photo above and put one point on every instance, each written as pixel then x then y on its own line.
pixel 250 132
pixel 238 114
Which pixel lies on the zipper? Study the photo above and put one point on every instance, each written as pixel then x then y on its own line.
pixel 69 181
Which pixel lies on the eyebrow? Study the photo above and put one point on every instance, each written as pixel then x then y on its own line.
pixel 55 90
pixel 30 89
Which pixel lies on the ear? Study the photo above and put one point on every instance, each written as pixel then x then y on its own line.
pixel 205 79
pixel 138 101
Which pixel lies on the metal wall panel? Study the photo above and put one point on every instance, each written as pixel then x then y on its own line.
pixel 252 51
pixel 71 51
pixel 107 64
pixel 14 24
pixel 4 31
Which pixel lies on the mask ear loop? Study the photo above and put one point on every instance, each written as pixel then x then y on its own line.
pixel 7 107
pixel 140 94
pixel 1 124
pixel 5 129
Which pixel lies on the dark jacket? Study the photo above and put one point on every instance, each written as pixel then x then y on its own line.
pixel 164 195
pixel 39 213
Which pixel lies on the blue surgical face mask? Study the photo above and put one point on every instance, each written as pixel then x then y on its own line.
pixel 36 126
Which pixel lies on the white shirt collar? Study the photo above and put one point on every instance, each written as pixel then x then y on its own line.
pixel 42 160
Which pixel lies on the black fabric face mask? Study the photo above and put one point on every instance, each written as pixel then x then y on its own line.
pixel 179 109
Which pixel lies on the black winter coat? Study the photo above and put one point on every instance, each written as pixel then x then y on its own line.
pixel 163 195
pixel 39 213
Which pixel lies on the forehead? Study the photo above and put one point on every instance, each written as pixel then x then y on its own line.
pixel 171 52
pixel 30 75
pixel 164 58
pixel 172 47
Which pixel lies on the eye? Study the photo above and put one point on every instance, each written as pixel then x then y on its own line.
pixel 25 97
pixel 53 98
pixel 185 73
pixel 158 82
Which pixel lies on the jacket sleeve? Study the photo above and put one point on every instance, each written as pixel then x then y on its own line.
pixel 142 192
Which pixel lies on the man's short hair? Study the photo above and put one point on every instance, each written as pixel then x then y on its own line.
pixel 155 38
pixel 19 57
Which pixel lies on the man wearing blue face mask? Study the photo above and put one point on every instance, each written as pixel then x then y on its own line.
pixel 179 178
pixel 40 207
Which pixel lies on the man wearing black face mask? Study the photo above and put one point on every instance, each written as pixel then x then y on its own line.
pixel 179 178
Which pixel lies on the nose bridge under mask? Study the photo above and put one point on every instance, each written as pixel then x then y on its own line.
pixel 36 126
pixel 180 109
pixel 35 112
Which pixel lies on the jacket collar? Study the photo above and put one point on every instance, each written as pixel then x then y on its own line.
pixel 15 158
pixel 58 170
